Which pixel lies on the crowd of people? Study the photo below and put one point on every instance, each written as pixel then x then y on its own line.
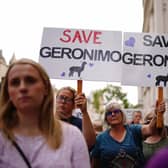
pixel 35 134
pixel 125 140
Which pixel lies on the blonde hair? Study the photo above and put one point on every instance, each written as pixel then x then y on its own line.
pixel 49 125
pixel 148 117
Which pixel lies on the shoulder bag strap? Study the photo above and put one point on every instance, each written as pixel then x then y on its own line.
pixel 21 153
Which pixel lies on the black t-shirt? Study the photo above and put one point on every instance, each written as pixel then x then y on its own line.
pixel 74 121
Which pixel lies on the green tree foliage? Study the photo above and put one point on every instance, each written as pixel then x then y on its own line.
pixel 110 92
pixel 97 100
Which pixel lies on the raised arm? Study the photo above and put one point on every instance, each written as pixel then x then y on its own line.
pixel 148 129
pixel 87 127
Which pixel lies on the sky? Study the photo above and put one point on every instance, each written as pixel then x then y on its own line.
pixel 22 23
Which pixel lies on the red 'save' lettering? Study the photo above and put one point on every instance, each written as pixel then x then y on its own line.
pixel 81 36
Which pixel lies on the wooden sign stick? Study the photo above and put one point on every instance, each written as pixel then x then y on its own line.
pixel 79 86
pixel 159 122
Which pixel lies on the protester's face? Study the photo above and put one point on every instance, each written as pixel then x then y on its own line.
pixel 25 87
pixel 137 117
pixel 64 104
pixel 114 116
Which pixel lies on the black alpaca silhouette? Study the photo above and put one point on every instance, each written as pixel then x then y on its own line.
pixel 77 69
pixel 161 78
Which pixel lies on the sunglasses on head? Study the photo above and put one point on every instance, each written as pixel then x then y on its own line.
pixel 116 111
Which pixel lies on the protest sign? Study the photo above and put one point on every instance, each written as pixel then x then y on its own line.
pixel 81 54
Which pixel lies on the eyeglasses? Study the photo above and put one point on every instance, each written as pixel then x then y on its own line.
pixel 116 111
pixel 64 99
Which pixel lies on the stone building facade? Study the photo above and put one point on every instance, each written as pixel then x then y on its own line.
pixel 4 65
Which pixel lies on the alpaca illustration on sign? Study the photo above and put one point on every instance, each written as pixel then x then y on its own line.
pixel 77 69
pixel 161 78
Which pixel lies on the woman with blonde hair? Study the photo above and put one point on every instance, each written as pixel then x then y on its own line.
pixel 121 144
pixel 30 134
pixel 156 141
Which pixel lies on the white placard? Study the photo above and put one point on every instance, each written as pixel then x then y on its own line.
pixel 93 55
pixel 145 59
